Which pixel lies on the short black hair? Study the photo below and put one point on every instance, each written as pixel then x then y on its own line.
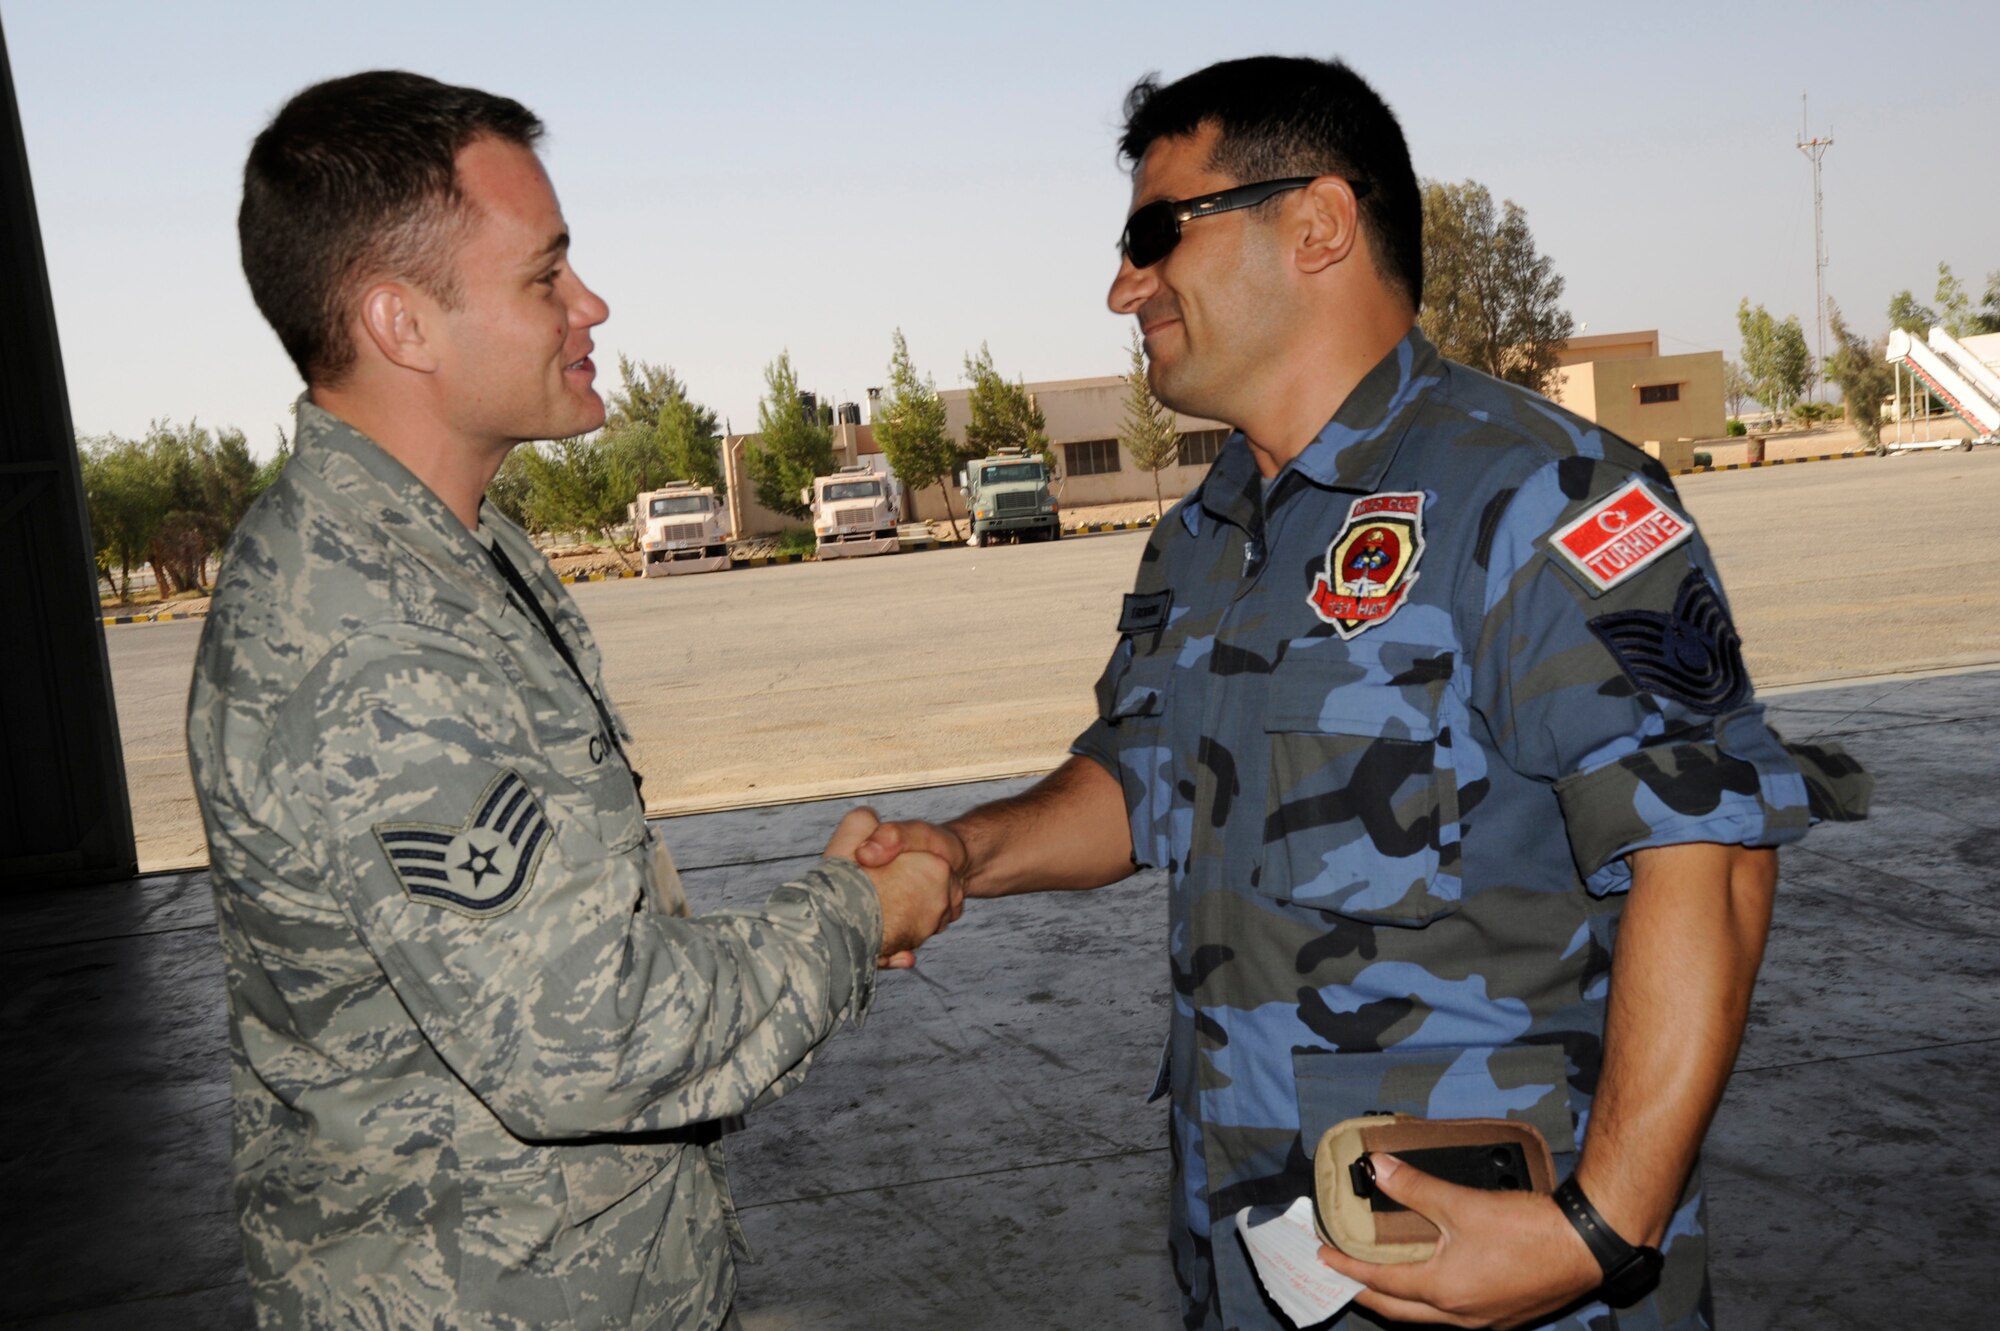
pixel 353 179
pixel 1296 116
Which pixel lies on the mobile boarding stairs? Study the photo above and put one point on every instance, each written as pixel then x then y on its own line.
pixel 1962 381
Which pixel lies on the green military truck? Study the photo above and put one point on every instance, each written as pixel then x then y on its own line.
pixel 1007 495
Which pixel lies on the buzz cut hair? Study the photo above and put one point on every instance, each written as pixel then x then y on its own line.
pixel 356 180
pixel 1283 116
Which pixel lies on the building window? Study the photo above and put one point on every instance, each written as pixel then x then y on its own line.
pixel 1092 457
pixel 1198 448
pixel 1651 393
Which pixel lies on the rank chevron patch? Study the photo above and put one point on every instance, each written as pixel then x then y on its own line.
pixel 484 866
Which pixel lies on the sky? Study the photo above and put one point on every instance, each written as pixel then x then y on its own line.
pixel 746 178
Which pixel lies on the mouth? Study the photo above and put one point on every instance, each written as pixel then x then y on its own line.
pixel 581 365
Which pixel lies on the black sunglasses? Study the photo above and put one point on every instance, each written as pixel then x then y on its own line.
pixel 1152 232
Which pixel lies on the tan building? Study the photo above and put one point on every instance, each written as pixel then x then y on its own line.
pixel 1083 416
pixel 1622 382
pixel 1619 380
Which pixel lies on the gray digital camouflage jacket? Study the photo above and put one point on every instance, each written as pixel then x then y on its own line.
pixel 1392 727
pixel 479 1057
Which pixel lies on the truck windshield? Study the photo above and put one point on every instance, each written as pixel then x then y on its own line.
pixel 1011 472
pixel 678 506
pixel 853 490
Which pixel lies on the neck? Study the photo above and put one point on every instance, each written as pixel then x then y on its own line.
pixel 455 469
pixel 1293 402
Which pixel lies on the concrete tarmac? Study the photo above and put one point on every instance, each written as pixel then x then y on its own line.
pixel 810 680
pixel 981 1157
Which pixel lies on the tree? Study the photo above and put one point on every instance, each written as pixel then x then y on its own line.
pixel 512 488
pixel 1956 313
pixel 1490 300
pixel 170 500
pixel 1774 356
pixel 656 433
pixel 1862 374
pixel 1915 319
pixel 1736 388
pixel 1147 432
pixel 911 429
pixel 127 498
pixel 571 487
pixel 793 447
pixel 228 479
pixel 1003 415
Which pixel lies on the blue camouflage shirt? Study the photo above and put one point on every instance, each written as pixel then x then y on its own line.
pixel 1391 723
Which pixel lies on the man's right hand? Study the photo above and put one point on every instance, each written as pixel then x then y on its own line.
pixel 920 893
pixel 889 840
pixel 890 843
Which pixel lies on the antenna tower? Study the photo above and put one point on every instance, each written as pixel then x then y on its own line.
pixel 1815 148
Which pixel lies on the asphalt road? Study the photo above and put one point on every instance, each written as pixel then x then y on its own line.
pixel 775 684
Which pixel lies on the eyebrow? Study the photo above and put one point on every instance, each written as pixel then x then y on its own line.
pixel 559 245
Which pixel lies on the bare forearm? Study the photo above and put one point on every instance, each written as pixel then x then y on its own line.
pixel 1686 960
pixel 1066 832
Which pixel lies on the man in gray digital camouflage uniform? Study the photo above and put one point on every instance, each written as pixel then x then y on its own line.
pixel 482 1055
pixel 1425 698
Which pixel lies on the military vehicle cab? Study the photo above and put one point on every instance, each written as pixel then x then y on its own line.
pixel 854 512
pixel 683 528
pixel 1007 495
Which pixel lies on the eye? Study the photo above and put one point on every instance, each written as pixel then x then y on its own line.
pixel 548 279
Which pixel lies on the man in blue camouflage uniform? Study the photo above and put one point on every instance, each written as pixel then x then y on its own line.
pixel 1428 701
pixel 482 1057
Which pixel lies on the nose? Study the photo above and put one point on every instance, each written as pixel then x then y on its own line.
pixel 587 308
pixel 1131 287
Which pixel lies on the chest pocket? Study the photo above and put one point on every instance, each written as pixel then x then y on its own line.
pixel 1361 798
pixel 601 801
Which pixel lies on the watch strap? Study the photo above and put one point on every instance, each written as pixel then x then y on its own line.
pixel 1630 1271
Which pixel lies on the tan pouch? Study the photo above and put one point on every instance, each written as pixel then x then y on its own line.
pixel 1349 1221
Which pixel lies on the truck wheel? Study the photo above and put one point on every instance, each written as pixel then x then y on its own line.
pixel 975 540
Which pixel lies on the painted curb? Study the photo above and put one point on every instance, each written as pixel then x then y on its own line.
pixel 571 579
pixel 1092 528
pixel 1771 462
pixel 160 617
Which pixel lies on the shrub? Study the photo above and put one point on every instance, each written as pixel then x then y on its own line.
pixel 1736 429
pixel 796 541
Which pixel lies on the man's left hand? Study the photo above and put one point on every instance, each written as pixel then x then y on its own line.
pixel 1503 1259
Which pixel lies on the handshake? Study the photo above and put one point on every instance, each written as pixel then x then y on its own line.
pixel 919 871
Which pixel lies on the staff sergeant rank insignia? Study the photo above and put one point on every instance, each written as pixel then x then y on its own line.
pixel 1619 535
pixel 480 868
pixel 1372 563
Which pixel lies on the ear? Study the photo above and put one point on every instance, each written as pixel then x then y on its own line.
pixel 1332 221
pixel 396 319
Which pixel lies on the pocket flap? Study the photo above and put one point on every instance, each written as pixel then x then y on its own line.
pixel 1313 703
pixel 1527 1083
pixel 1136 686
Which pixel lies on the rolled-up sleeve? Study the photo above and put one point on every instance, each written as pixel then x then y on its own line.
pixel 1633 702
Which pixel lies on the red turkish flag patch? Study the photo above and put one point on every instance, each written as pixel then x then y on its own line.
pixel 1619 535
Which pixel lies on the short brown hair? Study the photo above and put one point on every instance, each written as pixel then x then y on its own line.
pixel 356 178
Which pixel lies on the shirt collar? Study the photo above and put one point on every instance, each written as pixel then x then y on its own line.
pixel 1353 451
pixel 363 473
pixel 1359 443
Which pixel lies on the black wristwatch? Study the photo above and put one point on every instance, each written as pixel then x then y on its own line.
pixel 1630 1273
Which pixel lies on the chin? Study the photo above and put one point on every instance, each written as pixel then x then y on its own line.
pixel 1171 390
pixel 588 416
